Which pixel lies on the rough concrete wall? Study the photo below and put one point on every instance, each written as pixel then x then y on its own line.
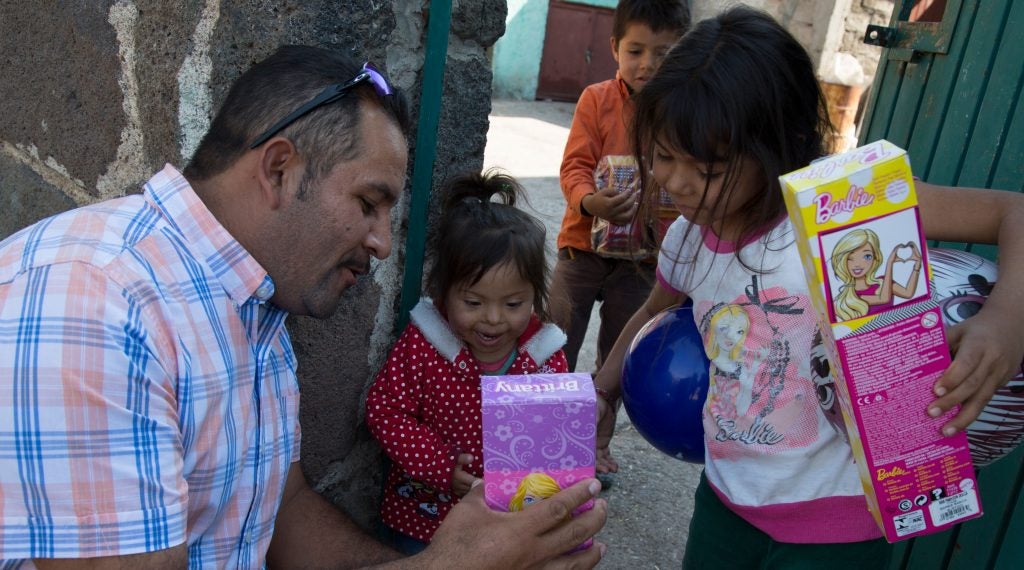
pixel 98 95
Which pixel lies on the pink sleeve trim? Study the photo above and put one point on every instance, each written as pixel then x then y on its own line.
pixel 665 284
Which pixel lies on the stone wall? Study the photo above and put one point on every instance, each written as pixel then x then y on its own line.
pixel 823 27
pixel 832 31
pixel 98 95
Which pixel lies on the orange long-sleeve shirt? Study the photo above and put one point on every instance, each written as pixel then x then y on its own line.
pixel 599 129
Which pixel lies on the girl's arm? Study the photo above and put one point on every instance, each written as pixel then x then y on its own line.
pixel 609 378
pixel 989 346
pixel 393 417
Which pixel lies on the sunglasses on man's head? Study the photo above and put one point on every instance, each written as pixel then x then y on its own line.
pixel 330 94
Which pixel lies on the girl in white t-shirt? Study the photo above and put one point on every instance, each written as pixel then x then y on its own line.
pixel 734 105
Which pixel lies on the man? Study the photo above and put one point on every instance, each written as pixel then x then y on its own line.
pixel 148 398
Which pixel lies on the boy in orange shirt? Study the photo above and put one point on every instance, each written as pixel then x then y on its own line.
pixel 643 31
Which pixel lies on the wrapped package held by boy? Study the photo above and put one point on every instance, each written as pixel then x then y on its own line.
pixel 628 241
pixel 864 255
pixel 538 436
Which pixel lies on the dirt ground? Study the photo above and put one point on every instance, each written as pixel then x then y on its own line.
pixel 651 499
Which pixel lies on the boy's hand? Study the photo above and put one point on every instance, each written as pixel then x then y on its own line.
pixel 462 481
pixel 605 429
pixel 987 352
pixel 612 205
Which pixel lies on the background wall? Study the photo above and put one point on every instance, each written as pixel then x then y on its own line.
pixel 96 96
pixel 516 58
pixel 824 27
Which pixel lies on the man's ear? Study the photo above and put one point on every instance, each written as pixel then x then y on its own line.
pixel 279 171
pixel 615 48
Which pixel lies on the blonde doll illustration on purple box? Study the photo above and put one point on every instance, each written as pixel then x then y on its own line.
pixel 855 262
pixel 533 488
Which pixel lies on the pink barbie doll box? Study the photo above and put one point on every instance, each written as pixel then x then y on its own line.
pixel 859 235
pixel 538 436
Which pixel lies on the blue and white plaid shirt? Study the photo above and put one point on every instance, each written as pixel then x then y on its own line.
pixel 148 394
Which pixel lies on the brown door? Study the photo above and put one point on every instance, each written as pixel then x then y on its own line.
pixel 576 52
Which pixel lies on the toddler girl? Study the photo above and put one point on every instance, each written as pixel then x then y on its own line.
pixel 485 314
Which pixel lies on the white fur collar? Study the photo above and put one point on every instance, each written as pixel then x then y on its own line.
pixel 544 343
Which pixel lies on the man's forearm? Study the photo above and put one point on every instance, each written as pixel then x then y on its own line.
pixel 310 532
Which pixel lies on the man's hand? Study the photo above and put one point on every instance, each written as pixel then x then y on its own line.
pixel 474 536
pixel 462 481
pixel 612 205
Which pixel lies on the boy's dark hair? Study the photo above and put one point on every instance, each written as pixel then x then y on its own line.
pixel 476 234
pixel 658 15
pixel 276 86
pixel 736 86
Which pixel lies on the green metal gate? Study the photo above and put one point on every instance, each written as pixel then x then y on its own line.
pixel 948 91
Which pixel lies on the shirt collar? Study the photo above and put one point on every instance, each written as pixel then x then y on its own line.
pixel 238 271
pixel 718 245
pixel 621 83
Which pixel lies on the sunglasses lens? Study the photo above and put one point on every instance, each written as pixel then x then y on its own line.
pixel 379 83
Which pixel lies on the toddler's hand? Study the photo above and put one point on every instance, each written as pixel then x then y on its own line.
pixel 462 481
pixel 612 205
pixel 987 353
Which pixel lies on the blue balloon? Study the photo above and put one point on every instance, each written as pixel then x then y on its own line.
pixel 665 383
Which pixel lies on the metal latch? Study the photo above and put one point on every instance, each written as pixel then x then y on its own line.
pixel 881 36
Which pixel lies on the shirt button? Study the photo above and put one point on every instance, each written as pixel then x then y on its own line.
pixel 462 365
pixel 263 292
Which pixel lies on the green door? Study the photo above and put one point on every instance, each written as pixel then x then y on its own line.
pixel 948 89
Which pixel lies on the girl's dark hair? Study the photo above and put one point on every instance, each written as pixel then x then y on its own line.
pixel 477 234
pixel 737 85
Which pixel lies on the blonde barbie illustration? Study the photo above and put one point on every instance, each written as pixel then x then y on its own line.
pixel 855 262
pixel 731 379
pixel 533 488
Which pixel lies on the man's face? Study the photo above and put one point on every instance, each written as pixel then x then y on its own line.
pixel 327 238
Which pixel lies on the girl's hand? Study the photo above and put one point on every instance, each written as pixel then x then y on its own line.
pixel 987 353
pixel 462 481
pixel 605 429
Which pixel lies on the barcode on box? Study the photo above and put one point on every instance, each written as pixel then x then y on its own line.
pixel 954 508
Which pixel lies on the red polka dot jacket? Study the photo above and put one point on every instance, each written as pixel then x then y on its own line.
pixel 424 409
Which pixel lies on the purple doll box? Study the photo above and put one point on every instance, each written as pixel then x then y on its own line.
pixel 538 436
